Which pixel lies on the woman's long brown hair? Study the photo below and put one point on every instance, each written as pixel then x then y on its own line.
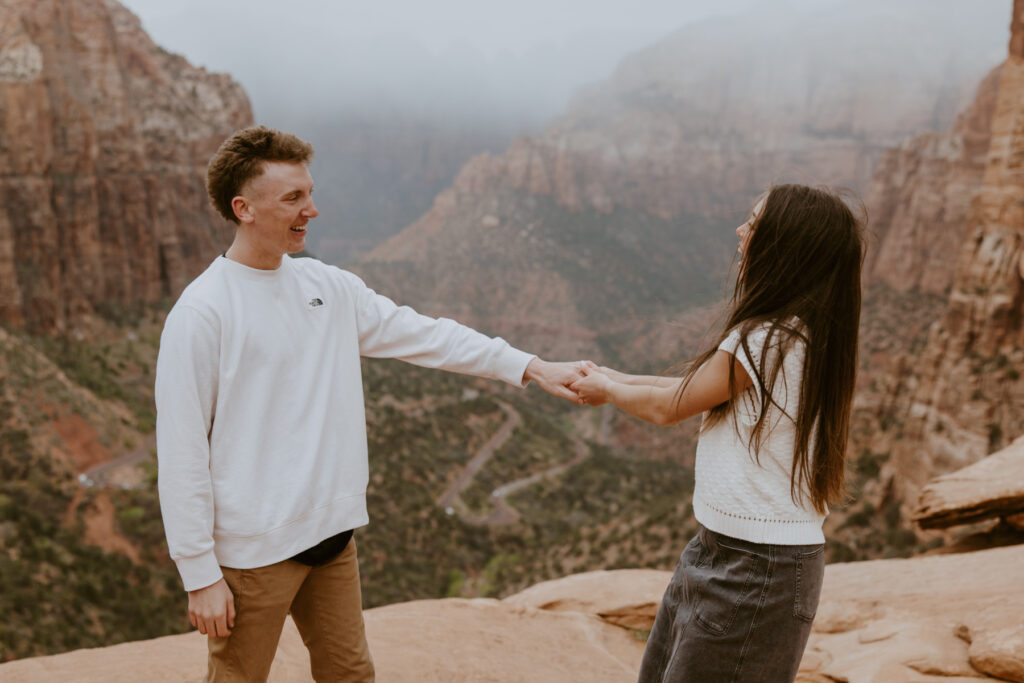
pixel 800 277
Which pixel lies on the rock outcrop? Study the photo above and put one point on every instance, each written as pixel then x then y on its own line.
pixel 991 487
pixel 442 641
pixel 958 399
pixel 920 196
pixel 942 618
pixel 932 619
pixel 104 140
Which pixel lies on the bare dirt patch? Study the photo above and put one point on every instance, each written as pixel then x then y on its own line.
pixel 101 531
pixel 81 441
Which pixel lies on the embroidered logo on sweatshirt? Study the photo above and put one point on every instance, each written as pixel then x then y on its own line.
pixel 315 302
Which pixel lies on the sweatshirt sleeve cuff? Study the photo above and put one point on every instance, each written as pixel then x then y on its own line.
pixel 512 366
pixel 199 571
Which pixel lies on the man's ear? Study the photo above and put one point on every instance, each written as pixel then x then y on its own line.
pixel 243 209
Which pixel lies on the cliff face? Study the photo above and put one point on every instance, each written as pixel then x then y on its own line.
pixel 622 212
pixel 104 144
pixel 704 120
pixel 959 398
pixel 920 196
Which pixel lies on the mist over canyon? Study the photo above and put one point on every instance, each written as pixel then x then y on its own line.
pixel 662 159
pixel 603 228
pixel 402 105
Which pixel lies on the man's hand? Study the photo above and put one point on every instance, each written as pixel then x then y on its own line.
pixel 593 388
pixel 554 378
pixel 212 609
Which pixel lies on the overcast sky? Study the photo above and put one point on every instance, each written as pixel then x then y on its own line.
pixel 518 60
pixel 525 57
pixel 491 27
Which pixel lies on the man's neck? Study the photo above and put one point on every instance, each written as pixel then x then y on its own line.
pixel 241 252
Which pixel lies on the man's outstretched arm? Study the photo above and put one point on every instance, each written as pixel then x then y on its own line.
pixel 387 330
pixel 554 378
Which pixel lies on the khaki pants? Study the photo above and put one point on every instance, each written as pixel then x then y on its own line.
pixel 326 604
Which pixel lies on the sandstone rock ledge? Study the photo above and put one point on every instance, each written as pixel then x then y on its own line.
pixel 991 487
pixel 944 618
pixel 940 618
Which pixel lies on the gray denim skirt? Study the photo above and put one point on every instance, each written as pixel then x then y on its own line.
pixel 735 611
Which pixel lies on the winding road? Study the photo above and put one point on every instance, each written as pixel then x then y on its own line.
pixel 503 513
pixel 100 476
pixel 450 497
pixel 104 474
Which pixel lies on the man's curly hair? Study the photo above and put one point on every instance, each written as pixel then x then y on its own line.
pixel 240 159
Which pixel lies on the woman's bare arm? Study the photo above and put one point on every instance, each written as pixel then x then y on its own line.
pixel 661 402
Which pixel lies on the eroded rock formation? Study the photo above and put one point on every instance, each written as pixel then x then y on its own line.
pixel 991 487
pixel 621 213
pixel 104 140
pixel 919 199
pixel 958 399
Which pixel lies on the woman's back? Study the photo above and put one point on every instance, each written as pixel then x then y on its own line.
pixel 744 489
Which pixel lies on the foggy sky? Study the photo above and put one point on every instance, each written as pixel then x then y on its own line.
pixel 520 60
pixel 453 78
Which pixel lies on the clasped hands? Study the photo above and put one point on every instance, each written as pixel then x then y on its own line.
pixel 581 382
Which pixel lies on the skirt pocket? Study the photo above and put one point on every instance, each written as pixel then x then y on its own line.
pixel 732 581
pixel 810 574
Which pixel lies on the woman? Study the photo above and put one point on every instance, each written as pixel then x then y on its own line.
pixel 775 392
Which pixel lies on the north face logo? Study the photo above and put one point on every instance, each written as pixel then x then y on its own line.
pixel 315 302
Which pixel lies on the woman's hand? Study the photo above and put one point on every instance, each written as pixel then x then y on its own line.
pixel 613 375
pixel 593 387
pixel 663 400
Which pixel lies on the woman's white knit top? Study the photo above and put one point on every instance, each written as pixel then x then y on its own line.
pixel 748 497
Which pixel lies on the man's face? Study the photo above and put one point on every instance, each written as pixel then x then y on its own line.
pixel 278 206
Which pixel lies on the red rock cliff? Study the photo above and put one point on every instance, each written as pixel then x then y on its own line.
pixel 104 140
pixel 960 398
pixel 919 199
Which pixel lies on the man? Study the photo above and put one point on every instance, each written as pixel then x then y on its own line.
pixel 261 430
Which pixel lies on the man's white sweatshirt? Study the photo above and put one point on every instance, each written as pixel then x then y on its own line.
pixel 261 431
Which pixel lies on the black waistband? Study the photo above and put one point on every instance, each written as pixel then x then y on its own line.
pixel 324 551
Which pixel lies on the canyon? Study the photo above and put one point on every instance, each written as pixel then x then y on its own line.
pixel 616 222
pixel 609 235
pixel 951 223
pixel 104 141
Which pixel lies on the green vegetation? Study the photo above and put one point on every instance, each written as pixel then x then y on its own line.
pixel 623 271
pixel 621 506
pixel 539 444
pixel 617 273
pixel 613 509
pixel 120 368
pixel 57 592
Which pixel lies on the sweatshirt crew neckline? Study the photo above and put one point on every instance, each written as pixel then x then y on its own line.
pixel 261 273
